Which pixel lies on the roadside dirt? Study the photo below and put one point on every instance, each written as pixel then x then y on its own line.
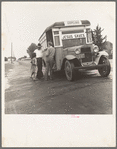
pixel 90 94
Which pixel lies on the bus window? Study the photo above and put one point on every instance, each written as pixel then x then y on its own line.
pixel 56 32
pixel 49 36
pixel 73 42
pixel 89 36
pixel 56 38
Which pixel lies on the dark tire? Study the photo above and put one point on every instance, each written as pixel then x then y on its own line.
pixel 104 71
pixel 69 70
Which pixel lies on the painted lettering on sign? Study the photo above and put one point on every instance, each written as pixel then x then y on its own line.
pixel 79 35
pixel 72 36
pixel 68 23
pixel 67 37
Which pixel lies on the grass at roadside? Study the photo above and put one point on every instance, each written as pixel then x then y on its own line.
pixel 8 67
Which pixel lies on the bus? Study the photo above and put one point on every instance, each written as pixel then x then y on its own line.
pixel 74 48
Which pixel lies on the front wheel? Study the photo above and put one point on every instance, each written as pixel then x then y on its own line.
pixel 69 70
pixel 104 71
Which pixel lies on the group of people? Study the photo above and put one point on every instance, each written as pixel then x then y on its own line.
pixel 36 62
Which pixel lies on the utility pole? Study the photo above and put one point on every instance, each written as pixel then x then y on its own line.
pixel 11 52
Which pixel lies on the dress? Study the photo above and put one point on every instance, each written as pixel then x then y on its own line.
pixel 34 67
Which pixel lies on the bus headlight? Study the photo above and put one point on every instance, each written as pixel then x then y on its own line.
pixel 96 49
pixel 77 51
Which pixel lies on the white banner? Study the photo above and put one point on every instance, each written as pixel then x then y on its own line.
pixel 72 36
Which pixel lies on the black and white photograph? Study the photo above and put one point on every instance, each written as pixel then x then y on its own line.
pixel 58 73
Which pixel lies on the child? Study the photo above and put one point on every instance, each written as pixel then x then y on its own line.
pixel 33 66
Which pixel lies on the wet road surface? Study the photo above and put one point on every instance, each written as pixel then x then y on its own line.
pixel 90 94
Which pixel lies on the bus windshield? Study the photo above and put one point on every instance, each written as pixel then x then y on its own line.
pixel 73 38
pixel 76 38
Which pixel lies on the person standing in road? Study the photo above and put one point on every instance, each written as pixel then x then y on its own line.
pixel 39 55
pixel 50 53
pixel 33 66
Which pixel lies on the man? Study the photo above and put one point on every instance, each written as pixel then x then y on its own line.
pixel 39 55
pixel 50 53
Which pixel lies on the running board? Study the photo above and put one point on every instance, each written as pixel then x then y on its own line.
pixel 91 67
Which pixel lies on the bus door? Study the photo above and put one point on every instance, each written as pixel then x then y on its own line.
pixel 58 47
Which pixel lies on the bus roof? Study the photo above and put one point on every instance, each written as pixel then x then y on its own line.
pixel 67 24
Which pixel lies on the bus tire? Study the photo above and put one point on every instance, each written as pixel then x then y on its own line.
pixel 69 70
pixel 104 71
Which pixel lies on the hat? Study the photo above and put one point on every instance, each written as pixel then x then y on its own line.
pixel 39 45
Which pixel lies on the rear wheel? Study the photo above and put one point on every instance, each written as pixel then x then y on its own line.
pixel 69 70
pixel 104 71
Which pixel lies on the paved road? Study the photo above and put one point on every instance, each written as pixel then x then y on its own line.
pixel 91 94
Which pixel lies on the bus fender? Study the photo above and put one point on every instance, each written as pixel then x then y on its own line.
pixel 70 57
pixel 100 54
pixel 67 57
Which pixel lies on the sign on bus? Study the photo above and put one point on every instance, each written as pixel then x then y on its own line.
pixel 72 36
pixel 69 23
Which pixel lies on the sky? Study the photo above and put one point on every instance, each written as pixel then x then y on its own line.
pixel 24 22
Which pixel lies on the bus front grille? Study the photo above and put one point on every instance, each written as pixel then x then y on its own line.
pixel 88 54
pixel 85 50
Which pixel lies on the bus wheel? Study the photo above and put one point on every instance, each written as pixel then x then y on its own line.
pixel 69 70
pixel 104 71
